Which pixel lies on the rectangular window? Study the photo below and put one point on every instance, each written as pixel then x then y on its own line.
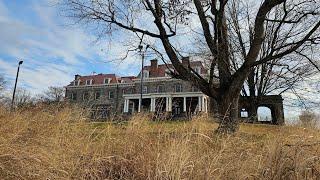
pixel 178 88
pixel 76 83
pixel 145 74
pixel 73 96
pixel 97 95
pixel 111 94
pixel 89 82
pixel 107 80
pixel 145 89
pixel 160 89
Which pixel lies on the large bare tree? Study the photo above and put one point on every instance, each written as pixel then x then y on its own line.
pixel 296 28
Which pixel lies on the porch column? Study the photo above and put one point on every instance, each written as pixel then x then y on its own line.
pixel 153 105
pixel 184 104
pixel 126 106
pixel 200 103
pixel 203 104
pixel 168 104
pixel 140 103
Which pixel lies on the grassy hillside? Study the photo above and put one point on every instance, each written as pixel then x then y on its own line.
pixel 58 143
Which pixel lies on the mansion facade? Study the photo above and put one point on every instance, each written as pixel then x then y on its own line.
pixel 108 94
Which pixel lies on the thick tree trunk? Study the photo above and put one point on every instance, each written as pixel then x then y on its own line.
pixel 228 115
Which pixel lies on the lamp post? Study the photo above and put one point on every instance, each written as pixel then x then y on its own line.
pixel 141 77
pixel 15 85
pixel 142 53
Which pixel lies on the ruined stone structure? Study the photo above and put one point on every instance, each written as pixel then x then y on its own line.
pixel 108 94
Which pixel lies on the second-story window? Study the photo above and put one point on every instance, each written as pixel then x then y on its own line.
pixel 178 88
pixel 111 94
pixel 160 88
pixel 145 89
pixel 97 95
pixel 107 80
pixel 89 82
pixel 76 83
pixel 145 74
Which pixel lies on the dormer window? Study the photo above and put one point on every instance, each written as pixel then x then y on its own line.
pixel 89 82
pixel 145 74
pixel 76 83
pixel 107 80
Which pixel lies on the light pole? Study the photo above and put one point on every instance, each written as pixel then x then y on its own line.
pixel 15 85
pixel 142 53
pixel 141 77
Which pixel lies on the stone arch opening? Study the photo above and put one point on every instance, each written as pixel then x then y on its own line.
pixel 264 114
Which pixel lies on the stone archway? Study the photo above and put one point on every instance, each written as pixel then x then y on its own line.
pixel 251 105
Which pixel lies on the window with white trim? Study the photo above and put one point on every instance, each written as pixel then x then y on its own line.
pixel 107 80
pixel 178 88
pixel 145 89
pixel 76 83
pixel 111 94
pixel 89 82
pixel 73 96
pixel 145 74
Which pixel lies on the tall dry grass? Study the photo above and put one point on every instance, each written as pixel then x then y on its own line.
pixel 58 143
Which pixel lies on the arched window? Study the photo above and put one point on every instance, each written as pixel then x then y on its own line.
pixel 264 114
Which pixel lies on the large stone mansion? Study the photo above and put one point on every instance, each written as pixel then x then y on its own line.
pixel 108 94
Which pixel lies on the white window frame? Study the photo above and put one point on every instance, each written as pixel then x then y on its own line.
pixel 180 87
pixel 145 74
pixel 145 90
pixel 108 80
pixel 76 82
pixel 90 82
pixel 109 94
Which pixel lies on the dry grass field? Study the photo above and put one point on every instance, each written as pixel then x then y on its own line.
pixel 58 143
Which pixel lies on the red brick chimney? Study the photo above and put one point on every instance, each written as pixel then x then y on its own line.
pixel 153 68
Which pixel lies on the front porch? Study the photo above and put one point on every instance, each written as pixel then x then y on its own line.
pixel 173 104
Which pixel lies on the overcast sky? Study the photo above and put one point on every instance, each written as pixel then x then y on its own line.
pixel 54 50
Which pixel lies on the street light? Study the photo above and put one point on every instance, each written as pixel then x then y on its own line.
pixel 142 53
pixel 15 85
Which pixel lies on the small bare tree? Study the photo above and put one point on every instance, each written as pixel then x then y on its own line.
pixel 53 94
pixel 23 98
pixel 297 28
pixel 309 119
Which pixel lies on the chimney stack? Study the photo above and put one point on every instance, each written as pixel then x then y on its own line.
pixel 76 77
pixel 153 67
